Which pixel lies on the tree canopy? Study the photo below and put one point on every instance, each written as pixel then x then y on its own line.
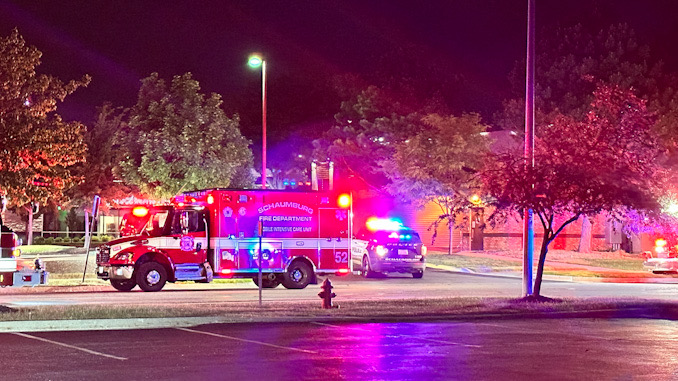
pixel 176 138
pixel 606 161
pixel 37 147
pixel 440 164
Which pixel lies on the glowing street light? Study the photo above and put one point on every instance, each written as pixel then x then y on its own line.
pixel 254 61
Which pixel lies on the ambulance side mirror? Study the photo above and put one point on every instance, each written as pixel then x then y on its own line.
pixel 184 222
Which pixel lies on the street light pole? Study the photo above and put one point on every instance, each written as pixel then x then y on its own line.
pixel 254 61
pixel 528 222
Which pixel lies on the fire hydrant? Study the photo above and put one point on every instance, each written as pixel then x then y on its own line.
pixel 326 294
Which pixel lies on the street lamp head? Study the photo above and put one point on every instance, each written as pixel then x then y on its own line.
pixel 255 61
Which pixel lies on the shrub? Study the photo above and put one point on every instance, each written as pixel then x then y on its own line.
pixel 39 240
pixel 58 240
pixel 49 241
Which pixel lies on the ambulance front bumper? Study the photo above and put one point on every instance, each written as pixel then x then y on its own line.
pixel 106 272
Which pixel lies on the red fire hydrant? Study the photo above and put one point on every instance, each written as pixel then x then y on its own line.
pixel 326 294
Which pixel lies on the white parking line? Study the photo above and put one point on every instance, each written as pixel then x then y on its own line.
pixel 407 336
pixel 69 346
pixel 246 340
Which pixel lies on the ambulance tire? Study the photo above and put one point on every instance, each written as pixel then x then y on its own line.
pixel 366 271
pixel 123 284
pixel 418 274
pixel 266 283
pixel 151 276
pixel 298 275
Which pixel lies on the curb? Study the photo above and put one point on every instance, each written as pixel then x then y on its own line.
pixel 631 312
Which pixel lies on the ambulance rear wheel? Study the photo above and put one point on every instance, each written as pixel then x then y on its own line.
pixel 151 276
pixel 298 275
pixel 123 284
pixel 266 283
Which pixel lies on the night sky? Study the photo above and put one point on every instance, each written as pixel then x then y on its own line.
pixel 307 44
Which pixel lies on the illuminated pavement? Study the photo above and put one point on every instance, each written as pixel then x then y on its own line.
pixel 563 349
pixel 435 284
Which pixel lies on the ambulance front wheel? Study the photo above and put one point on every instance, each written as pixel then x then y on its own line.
pixel 151 276
pixel 298 275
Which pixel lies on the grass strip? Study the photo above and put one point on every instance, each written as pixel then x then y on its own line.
pixel 441 308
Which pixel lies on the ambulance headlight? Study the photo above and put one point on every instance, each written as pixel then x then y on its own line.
pixel 381 251
pixel 124 257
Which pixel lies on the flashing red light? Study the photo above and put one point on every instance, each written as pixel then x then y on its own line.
pixel 180 204
pixel 226 271
pixel 661 242
pixel 344 201
pixel 139 211
pixel 343 271
pixel 210 200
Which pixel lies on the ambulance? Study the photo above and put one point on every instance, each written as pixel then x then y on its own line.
pixel 230 233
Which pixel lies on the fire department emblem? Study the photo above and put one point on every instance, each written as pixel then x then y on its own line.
pixel 186 243
pixel 228 212
pixel 242 211
pixel 341 215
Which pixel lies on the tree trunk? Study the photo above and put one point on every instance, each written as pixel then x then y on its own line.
pixel 585 239
pixel 451 227
pixel 540 266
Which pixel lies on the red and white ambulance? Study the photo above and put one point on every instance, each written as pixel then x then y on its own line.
pixel 216 233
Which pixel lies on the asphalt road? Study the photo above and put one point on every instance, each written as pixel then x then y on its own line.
pixel 435 284
pixel 564 349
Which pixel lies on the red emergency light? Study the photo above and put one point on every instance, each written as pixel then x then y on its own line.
pixel 344 201
pixel 139 211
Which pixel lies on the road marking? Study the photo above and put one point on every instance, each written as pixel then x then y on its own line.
pixel 408 336
pixel 69 346
pixel 246 340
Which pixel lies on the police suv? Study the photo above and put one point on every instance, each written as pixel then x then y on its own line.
pixel 386 246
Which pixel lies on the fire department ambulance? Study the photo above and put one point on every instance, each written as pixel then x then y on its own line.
pixel 215 233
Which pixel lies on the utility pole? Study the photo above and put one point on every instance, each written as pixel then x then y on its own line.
pixel 528 222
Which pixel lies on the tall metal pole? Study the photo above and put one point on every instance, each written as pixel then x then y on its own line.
pixel 528 222
pixel 263 124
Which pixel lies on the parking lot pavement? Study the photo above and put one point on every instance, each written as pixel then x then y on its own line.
pixel 501 349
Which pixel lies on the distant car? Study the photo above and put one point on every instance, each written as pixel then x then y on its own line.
pixel 399 250
pixel 663 259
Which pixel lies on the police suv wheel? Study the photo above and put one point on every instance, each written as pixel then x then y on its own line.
pixel 418 274
pixel 298 275
pixel 151 276
pixel 366 271
pixel 123 284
